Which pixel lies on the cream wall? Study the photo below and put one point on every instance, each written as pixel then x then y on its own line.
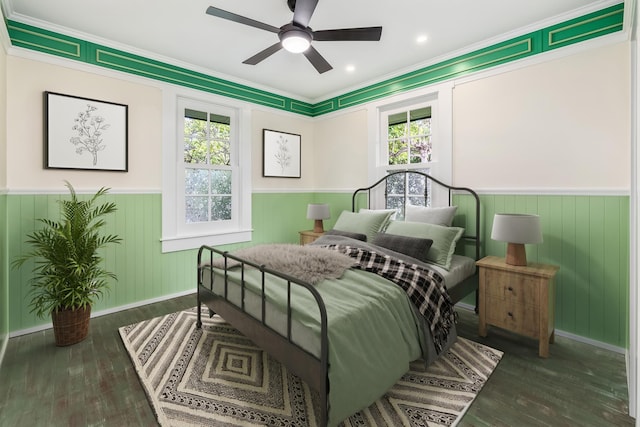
pixel 341 151
pixel 562 124
pixel 333 150
pixel 522 129
pixel 29 79
pixel 290 123
pixel 3 116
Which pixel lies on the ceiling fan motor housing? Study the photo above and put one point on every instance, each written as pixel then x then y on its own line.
pixel 295 39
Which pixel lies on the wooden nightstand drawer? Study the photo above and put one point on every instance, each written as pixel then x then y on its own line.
pixel 517 298
pixel 309 236
pixel 513 287
pixel 519 318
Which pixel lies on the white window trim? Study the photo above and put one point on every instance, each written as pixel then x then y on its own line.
pixel 441 168
pixel 174 236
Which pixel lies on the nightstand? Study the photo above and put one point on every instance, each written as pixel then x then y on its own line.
pixel 518 298
pixel 308 236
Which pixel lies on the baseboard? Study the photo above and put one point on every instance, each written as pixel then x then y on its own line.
pixel 464 306
pixel 3 348
pixel 565 334
pixel 105 312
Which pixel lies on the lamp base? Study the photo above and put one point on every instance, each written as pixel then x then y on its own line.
pixel 516 254
pixel 317 226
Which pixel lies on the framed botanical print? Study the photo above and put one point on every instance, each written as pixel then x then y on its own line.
pixel 84 133
pixel 281 154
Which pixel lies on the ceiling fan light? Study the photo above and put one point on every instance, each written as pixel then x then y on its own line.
pixel 296 41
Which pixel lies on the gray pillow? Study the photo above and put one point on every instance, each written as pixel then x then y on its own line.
pixel 415 247
pixel 441 216
pixel 444 239
pixel 357 236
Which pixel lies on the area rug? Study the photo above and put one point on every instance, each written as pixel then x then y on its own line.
pixel 215 376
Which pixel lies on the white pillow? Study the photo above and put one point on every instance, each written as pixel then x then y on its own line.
pixel 440 216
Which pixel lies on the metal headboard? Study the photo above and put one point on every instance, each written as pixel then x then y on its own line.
pixel 475 238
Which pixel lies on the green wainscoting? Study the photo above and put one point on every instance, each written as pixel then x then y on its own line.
pixel 278 217
pixel 4 278
pixel 587 236
pixel 143 271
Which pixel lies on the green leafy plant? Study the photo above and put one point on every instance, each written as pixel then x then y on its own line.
pixel 68 271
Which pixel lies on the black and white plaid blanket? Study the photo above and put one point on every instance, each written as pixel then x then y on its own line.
pixel 424 287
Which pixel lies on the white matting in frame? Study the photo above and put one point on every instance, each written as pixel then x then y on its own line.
pixel 83 133
pixel 281 154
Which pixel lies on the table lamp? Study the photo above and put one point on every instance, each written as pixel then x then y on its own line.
pixel 318 212
pixel 517 230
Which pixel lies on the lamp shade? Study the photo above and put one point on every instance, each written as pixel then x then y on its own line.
pixel 318 212
pixel 517 230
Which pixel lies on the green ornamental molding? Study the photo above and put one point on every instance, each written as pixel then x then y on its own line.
pixel 478 60
pixel 596 24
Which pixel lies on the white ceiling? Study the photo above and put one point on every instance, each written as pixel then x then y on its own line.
pixel 180 32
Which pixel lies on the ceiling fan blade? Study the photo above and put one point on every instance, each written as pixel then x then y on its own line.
pixel 214 11
pixel 303 11
pixel 317 60
pixel 261 56
pixel 355 34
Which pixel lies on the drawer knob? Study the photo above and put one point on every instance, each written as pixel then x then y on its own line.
pixel 510 314
pixel 510 288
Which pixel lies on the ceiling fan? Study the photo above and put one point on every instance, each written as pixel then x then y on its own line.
pixel 296 36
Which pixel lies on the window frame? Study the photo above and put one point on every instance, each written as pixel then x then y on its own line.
pixel 177 234
pixel 440 98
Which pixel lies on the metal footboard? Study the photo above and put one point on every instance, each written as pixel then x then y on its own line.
pixel 310 368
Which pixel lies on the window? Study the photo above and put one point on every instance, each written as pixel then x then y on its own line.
pixel 206 187
pixel 407 189
pixel 409 137
pixel 408 144
pixel 412 131
pixel 208 168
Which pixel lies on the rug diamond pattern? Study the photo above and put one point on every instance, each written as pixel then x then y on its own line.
pixel 216 376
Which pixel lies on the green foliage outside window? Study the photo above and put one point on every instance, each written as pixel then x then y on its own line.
pixel 207 158
pixel 409 137
pixel 409 143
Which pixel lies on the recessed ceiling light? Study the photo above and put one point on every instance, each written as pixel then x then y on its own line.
pixel 421 39
pixel 350 68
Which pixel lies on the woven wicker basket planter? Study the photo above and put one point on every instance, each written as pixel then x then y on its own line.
pixel 70 326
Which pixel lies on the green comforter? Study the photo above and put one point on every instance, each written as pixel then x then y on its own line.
pixel 373 336
pixel 374 333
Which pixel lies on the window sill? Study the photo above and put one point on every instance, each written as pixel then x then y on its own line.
pixel 183 243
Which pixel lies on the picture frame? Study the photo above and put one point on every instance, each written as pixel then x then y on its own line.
pixel 84 133
pixel 281 154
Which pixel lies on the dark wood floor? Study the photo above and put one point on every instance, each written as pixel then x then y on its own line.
pixel 93 383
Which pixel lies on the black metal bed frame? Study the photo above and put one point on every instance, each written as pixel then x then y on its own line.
pixel 470 284
pixel 313 370
pixel 310 368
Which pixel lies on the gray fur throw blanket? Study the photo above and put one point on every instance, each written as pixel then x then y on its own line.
pixel 309 263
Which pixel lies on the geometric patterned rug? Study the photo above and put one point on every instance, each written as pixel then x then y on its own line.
pixel 215 376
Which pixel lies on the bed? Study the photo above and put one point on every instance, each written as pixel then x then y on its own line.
pixel 332 321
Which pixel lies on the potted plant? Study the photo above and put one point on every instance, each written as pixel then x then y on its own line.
pixel 68 273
